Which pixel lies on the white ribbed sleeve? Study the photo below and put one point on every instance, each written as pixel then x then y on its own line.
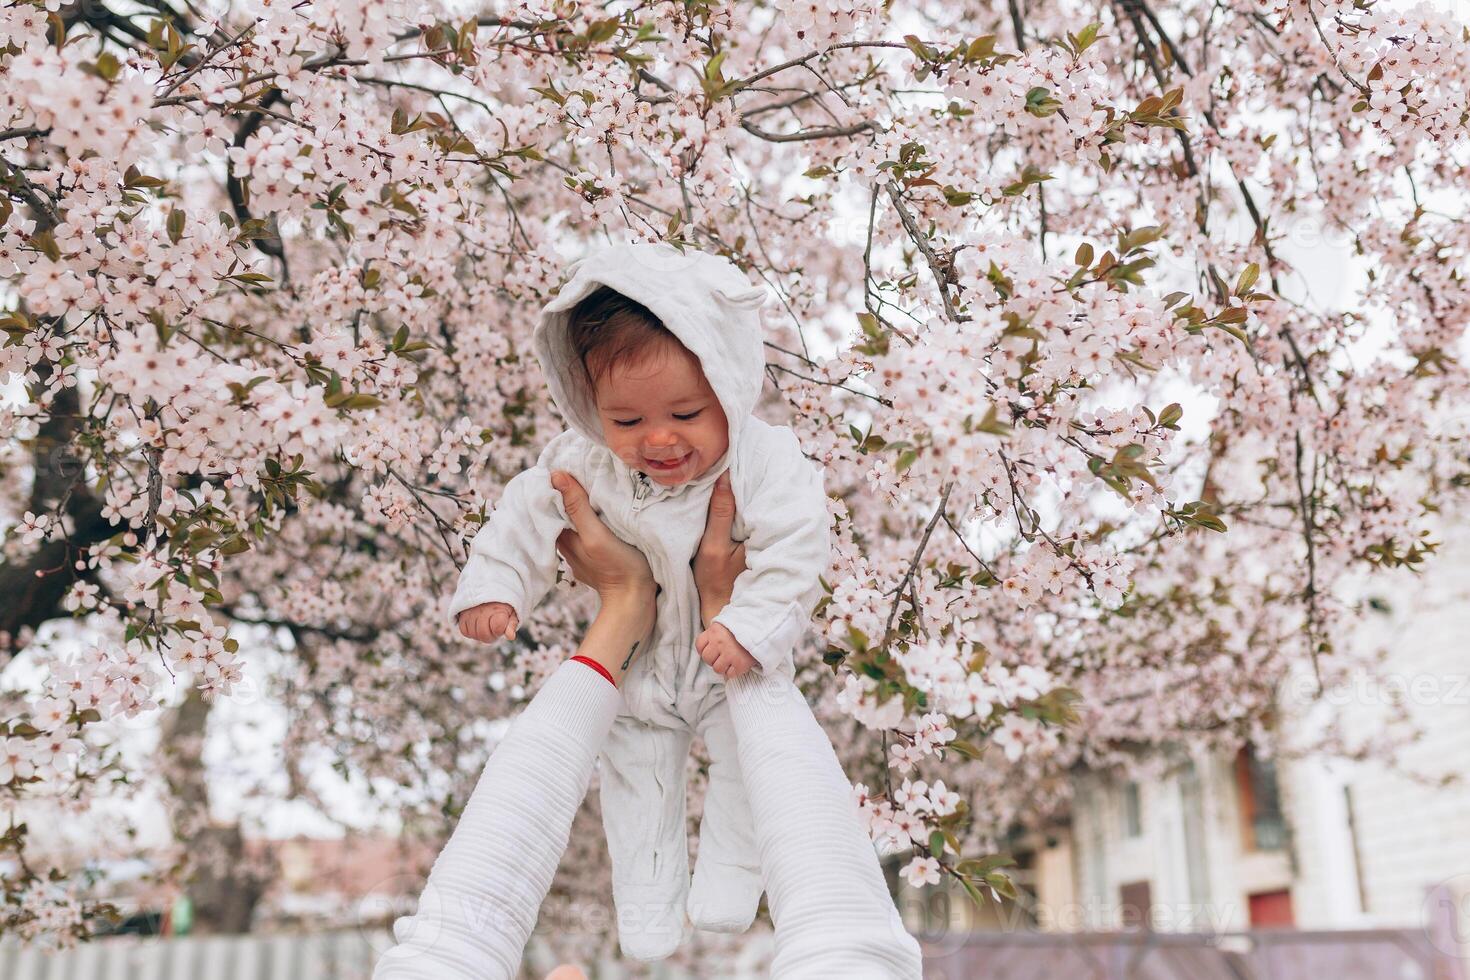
pixel 480 903
pixel 833 913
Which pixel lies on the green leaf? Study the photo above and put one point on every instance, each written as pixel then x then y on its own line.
pixel 921 50
pixel 980 48
pixel 600 30
pixel 955 197
pixel 979 867
pixel 1040 103
pixel 1136 238
pixel 975 895
pixel 175 225
pixel 46 242
pixel 349 399
pixel 107 65
pixel 132 178
pixel 712 73
pixel 1030 174
pixel 1002 884
pixel 1247 279
pixel 361 400
pixel 234 545
pixel 1209 521
pixel 992 425
pixel 1199 514
pixel 877 342
pixel 964 748
pixel 1083 39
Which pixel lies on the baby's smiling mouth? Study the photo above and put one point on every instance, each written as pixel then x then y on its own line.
pixel 665 465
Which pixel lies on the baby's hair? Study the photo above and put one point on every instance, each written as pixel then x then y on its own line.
pixel 605 326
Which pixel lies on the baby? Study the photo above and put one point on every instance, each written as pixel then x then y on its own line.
pixel 654 357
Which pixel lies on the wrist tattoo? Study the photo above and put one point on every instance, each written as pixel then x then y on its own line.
pixel 629 658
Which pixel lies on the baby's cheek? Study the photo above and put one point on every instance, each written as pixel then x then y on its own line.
pixel 717 440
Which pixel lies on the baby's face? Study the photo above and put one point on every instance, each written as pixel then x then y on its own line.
pixel 660 415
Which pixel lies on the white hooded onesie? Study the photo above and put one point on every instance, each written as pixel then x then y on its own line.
pixel 669 693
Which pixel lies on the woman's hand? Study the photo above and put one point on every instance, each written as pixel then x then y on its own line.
pixel 718 560
pixel 616 570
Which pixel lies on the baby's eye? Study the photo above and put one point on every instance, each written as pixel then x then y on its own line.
pixel 626 423
pixel 687 415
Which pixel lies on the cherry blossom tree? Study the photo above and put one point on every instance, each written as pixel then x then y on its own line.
pixel 1101 461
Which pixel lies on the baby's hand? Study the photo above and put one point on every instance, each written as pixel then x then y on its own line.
pixel 718 647
pixel 488 622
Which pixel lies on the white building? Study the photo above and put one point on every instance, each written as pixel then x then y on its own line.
pixel 1231 843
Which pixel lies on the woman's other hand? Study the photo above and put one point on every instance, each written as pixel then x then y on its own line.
pixel 718 560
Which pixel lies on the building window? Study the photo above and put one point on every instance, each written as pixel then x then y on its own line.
pixel 1263 824
pixel 1132 811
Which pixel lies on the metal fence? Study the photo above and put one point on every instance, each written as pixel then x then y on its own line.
pixel 345 955
pixel 322 956
pixel 1286 954
pixel 1262 954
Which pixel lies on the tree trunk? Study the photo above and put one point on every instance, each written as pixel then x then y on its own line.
pixel 223 884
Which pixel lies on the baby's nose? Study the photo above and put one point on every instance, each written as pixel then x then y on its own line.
pixel 660 437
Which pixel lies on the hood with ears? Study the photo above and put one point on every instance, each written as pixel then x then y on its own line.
pixel 702 298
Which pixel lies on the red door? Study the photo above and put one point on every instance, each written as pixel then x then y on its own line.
pixel 1272 909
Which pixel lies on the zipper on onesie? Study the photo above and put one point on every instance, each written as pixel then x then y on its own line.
pixel 641 490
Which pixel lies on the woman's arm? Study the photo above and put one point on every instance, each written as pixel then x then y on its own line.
pixel 486 888
pixel 833 913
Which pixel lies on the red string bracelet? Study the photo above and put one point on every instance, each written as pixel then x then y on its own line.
pixel 597 667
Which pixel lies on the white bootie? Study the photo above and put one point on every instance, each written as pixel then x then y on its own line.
pixel 642 790
pixel 727 876
pixel 651 920
pixel 724 897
